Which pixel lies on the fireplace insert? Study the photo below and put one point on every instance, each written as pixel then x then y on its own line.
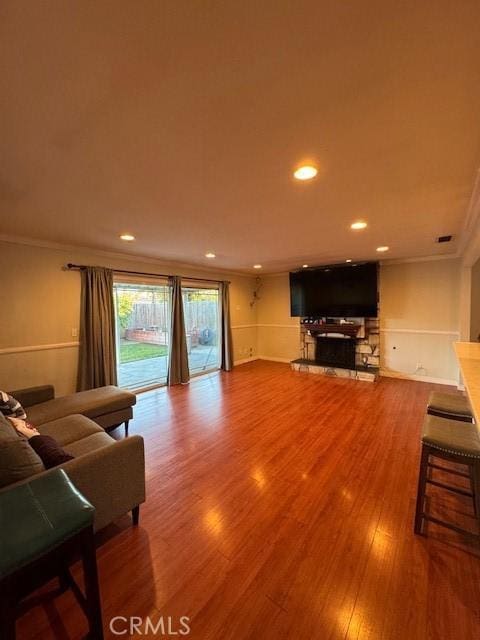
pixel 335 352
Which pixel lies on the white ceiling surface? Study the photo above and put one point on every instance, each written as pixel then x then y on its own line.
pixel 181 121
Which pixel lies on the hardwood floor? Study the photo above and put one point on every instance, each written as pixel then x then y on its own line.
pixel 280 505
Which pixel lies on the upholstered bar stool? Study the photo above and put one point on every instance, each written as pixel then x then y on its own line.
pixel 44 524
pixel 449 405
pixel 453 407
pixel 443 439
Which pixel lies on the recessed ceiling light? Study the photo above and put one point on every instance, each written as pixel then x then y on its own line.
pixel 358 225
pixel 348 260
pixel 127 237
pixel 307 172
pixel 257 266
pixel 209 255
pixel 304 266
pixel 382 249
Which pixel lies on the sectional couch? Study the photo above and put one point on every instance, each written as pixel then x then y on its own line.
pixel 110 473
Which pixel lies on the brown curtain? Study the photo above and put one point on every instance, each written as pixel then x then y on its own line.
pixel 227 346
pixel 97 364
pixel 178 371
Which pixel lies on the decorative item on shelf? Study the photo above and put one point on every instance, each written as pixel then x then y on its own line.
pixel 365 360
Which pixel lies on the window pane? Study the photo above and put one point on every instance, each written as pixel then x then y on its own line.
pixel 202 326
pixel 142 321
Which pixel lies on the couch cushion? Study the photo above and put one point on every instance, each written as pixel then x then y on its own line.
pixel 17 458
pixel 92 403
pixel 69 429
pixel 88 444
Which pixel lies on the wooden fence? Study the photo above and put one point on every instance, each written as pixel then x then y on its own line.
pixel 199 314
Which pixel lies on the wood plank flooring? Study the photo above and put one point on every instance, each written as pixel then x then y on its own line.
pixel 280 505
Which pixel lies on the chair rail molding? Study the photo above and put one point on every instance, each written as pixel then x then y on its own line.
pixel 244 326
pixel 434 332
pixel 259 324
pixel 39 347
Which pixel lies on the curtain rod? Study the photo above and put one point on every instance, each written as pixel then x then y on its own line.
pixel 79 267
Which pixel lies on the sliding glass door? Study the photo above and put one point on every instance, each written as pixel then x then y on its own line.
pixel 142 316
pixel 202 326
pixel 142 312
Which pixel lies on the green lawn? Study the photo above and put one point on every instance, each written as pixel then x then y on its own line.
pixel 132 351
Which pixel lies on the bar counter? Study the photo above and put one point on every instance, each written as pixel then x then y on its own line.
pixel 468 356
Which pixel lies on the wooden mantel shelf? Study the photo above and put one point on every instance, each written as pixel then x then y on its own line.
pixel 332 327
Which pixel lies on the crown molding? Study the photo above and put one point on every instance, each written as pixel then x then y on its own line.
pixel 443 256
pixel 384 263
pixel 469 244
pixel 118 255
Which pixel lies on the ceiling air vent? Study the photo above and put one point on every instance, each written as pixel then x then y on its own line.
pixel 444 238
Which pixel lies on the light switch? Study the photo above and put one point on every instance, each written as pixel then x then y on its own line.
pixel 74 332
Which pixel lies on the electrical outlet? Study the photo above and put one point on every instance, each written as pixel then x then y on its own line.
pixel 74 332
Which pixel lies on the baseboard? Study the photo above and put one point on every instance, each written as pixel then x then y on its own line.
pixel 383 372
pixel 407 376
pixel 245 360
pixel 270 358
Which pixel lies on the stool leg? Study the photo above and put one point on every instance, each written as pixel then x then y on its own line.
pixel 136 514
pixel 92 593
pixel 126 427
pixel 422 484
pixel 475 470
pixel 472 489
pixel 8 610
pixel 64 579
pixel 7 616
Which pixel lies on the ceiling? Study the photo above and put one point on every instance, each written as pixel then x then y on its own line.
pixel 181 121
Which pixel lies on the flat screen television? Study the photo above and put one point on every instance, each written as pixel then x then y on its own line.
pixel 335 291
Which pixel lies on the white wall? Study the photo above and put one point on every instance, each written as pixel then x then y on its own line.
pixel 418 315
pixel 278 333
pixel 41 306
pixel 475 303
pixel 419 319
